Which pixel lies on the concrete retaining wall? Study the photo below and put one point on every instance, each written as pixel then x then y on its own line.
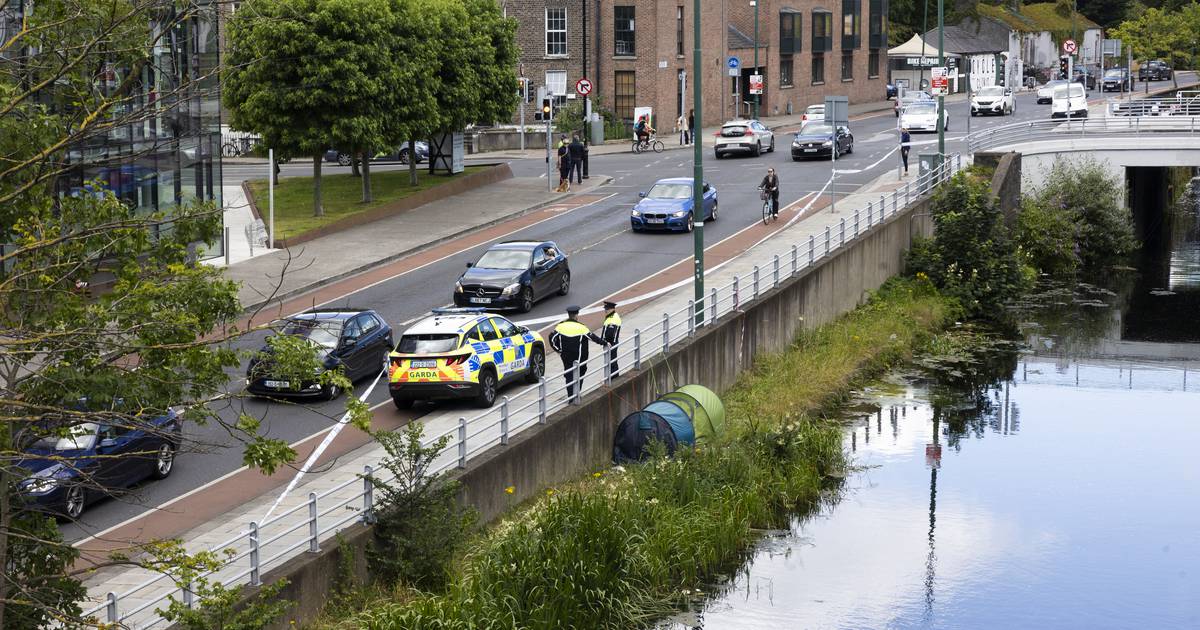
pixel 578 440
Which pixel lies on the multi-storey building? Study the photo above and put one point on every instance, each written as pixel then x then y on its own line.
pixel 638 53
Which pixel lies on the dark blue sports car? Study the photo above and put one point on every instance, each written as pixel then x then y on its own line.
pixel 668 206
pixel 93 460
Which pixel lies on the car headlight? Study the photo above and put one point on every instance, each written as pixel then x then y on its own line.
pixel 511 289
pixel 40 485
pixel 458 286
pixel 827 143
pixel 679 214
pixel 636 212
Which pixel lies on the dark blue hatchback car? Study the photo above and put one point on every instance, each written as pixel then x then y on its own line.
pixel 355 340
pixel 514 274
pixel 94 460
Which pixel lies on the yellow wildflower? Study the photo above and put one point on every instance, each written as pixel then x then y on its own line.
pixel 510 489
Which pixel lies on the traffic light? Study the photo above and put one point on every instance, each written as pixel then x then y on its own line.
pixel 521 88
pixel 547 109
pixel 528 92
pixel 1064 67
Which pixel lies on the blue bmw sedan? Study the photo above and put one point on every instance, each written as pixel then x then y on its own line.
pixel 668 206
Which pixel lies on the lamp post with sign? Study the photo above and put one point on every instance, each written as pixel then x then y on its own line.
pixel 941 121
pixel 758 94
pixel 698 165
pixel 734 66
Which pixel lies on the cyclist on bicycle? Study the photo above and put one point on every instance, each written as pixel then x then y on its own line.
pixel 770 186
pixel 643 129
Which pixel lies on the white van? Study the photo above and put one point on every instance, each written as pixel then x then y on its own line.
pixel 1069 101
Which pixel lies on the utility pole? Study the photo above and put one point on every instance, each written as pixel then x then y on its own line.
pixel 924 32
pixel 941 121
pixel 698 166
pixel 754 3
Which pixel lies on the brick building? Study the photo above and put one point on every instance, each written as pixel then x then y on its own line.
pixel 637 50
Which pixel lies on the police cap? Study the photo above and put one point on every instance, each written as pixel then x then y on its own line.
pixel 610 305
pixel 572 310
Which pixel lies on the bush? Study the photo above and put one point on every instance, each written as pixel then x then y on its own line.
pixel 1088 196
pixel 420 527
pixel 1047 238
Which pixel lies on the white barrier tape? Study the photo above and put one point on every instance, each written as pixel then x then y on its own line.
pixel 317 452
pixel 867 168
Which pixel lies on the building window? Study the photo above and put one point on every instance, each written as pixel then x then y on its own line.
pixel 873 64
pixel 624 95
pixel 879 24
pixel 785 71
pixel 556 86
pixel 790 30
pixel 822 31
pixel 851 27
pixel 556 31
pixel 679 31
pixel 623 32
pixel 818 69
pixel 847 65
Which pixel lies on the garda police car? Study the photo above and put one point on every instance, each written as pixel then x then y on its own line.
pixel 463 353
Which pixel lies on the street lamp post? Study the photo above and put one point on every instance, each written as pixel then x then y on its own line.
pixel 698 164
pixel 754 3
pixel 941 121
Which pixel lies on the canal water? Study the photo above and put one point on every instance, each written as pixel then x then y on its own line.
pixel 1050 478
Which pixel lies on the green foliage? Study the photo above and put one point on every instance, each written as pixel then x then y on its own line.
pixel 40 590
pixel 1162 33
pixel 1047 237
pixel 420 526
pixel 1085 193
pixel 971 256
pixel 221 608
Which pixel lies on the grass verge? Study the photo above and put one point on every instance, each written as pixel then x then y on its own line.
pixel 342 195
pixel 625 547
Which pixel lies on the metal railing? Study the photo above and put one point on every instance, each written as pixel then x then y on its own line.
pixel 1184 103
pixel 1065 129
pixel 301 528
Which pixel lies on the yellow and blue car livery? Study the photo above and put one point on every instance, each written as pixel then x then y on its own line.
pixel 463 353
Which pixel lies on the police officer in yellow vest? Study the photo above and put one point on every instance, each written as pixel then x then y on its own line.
pixel 570 341
pixel 611 334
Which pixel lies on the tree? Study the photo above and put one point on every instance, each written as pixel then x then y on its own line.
pixel 1162 34
pixel 106 318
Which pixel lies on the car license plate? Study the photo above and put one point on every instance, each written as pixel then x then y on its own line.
pixel 655 220
pixel 810 150
pixel 481 300
pixel 422 363
pixel 277 384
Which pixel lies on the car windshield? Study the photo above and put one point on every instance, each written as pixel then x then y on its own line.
pixel 1056 83
pixel 816 129
pixel 991 90
pixel 505 259
pixel 1112 73
pixel 321 332
pixel 921 109
pixel 1068 91
pixel 670 191
pixel 427 344
pixel 78 437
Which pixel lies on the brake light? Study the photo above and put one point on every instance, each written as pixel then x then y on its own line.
pixel 396 363
pixel 462 358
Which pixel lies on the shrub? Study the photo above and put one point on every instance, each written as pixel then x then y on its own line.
pixel 1047 237
pixel 1085 192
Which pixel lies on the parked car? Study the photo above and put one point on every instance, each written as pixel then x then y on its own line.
pixel 816 139
pixel 354 340
pixel 922 116
pixel 668 205
pixel 1155 70
pixel 1070 101
pixel 1117 80
pixel 813 112
pixel 993 99
pixel 1045 94
pixel 395 155
pixel 890 91
pixel 514 274
pixel 463 353
pixel 743 136
pixel 1086 78
pixel 910 97
pixel 94 460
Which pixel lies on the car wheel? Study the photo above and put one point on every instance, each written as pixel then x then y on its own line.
pixel 973 113
pixel 74 504
pixel 404 156
pixel 344 159
pixel 713 216
pixel 537 366
pixel 717 154
pixel 564 284
pixel 691 225
pixel 487 389
pixel 772 144
pixel 526 300
pixel 332 391
pixel 757 149
pixel 403 404
pixel 164 462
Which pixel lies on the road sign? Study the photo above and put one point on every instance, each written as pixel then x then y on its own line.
pixel 939 71
pixel 1110 47
pixel 756 84
pixel 1069 47
pixel 583 87
pixel 939 86
pixel 734 66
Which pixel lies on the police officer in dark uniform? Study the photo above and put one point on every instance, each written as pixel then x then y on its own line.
pixel 570 341
pixel 611 334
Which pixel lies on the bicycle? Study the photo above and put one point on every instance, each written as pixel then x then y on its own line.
pixel 651 142
pixel 768 212
pixel 237 147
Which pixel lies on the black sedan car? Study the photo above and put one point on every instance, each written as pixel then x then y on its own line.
pixel 514 274
pixel 1154 71
pixel 355 340
pixel 89 461
pixel 816 139
pixel 1117 80
pixel 400 155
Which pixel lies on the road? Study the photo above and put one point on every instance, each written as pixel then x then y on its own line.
pixel 605 256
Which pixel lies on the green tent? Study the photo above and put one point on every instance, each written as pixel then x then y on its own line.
pixel 703 406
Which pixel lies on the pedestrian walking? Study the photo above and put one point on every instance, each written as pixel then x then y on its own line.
pixel 691 126
pixel 564 167
pixel 570 340
pixel 610 332
pixel 576 151
pixel 682 125
pixel 905 139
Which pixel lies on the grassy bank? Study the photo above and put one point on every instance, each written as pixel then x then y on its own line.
pixel 342 195
pixel 626 546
